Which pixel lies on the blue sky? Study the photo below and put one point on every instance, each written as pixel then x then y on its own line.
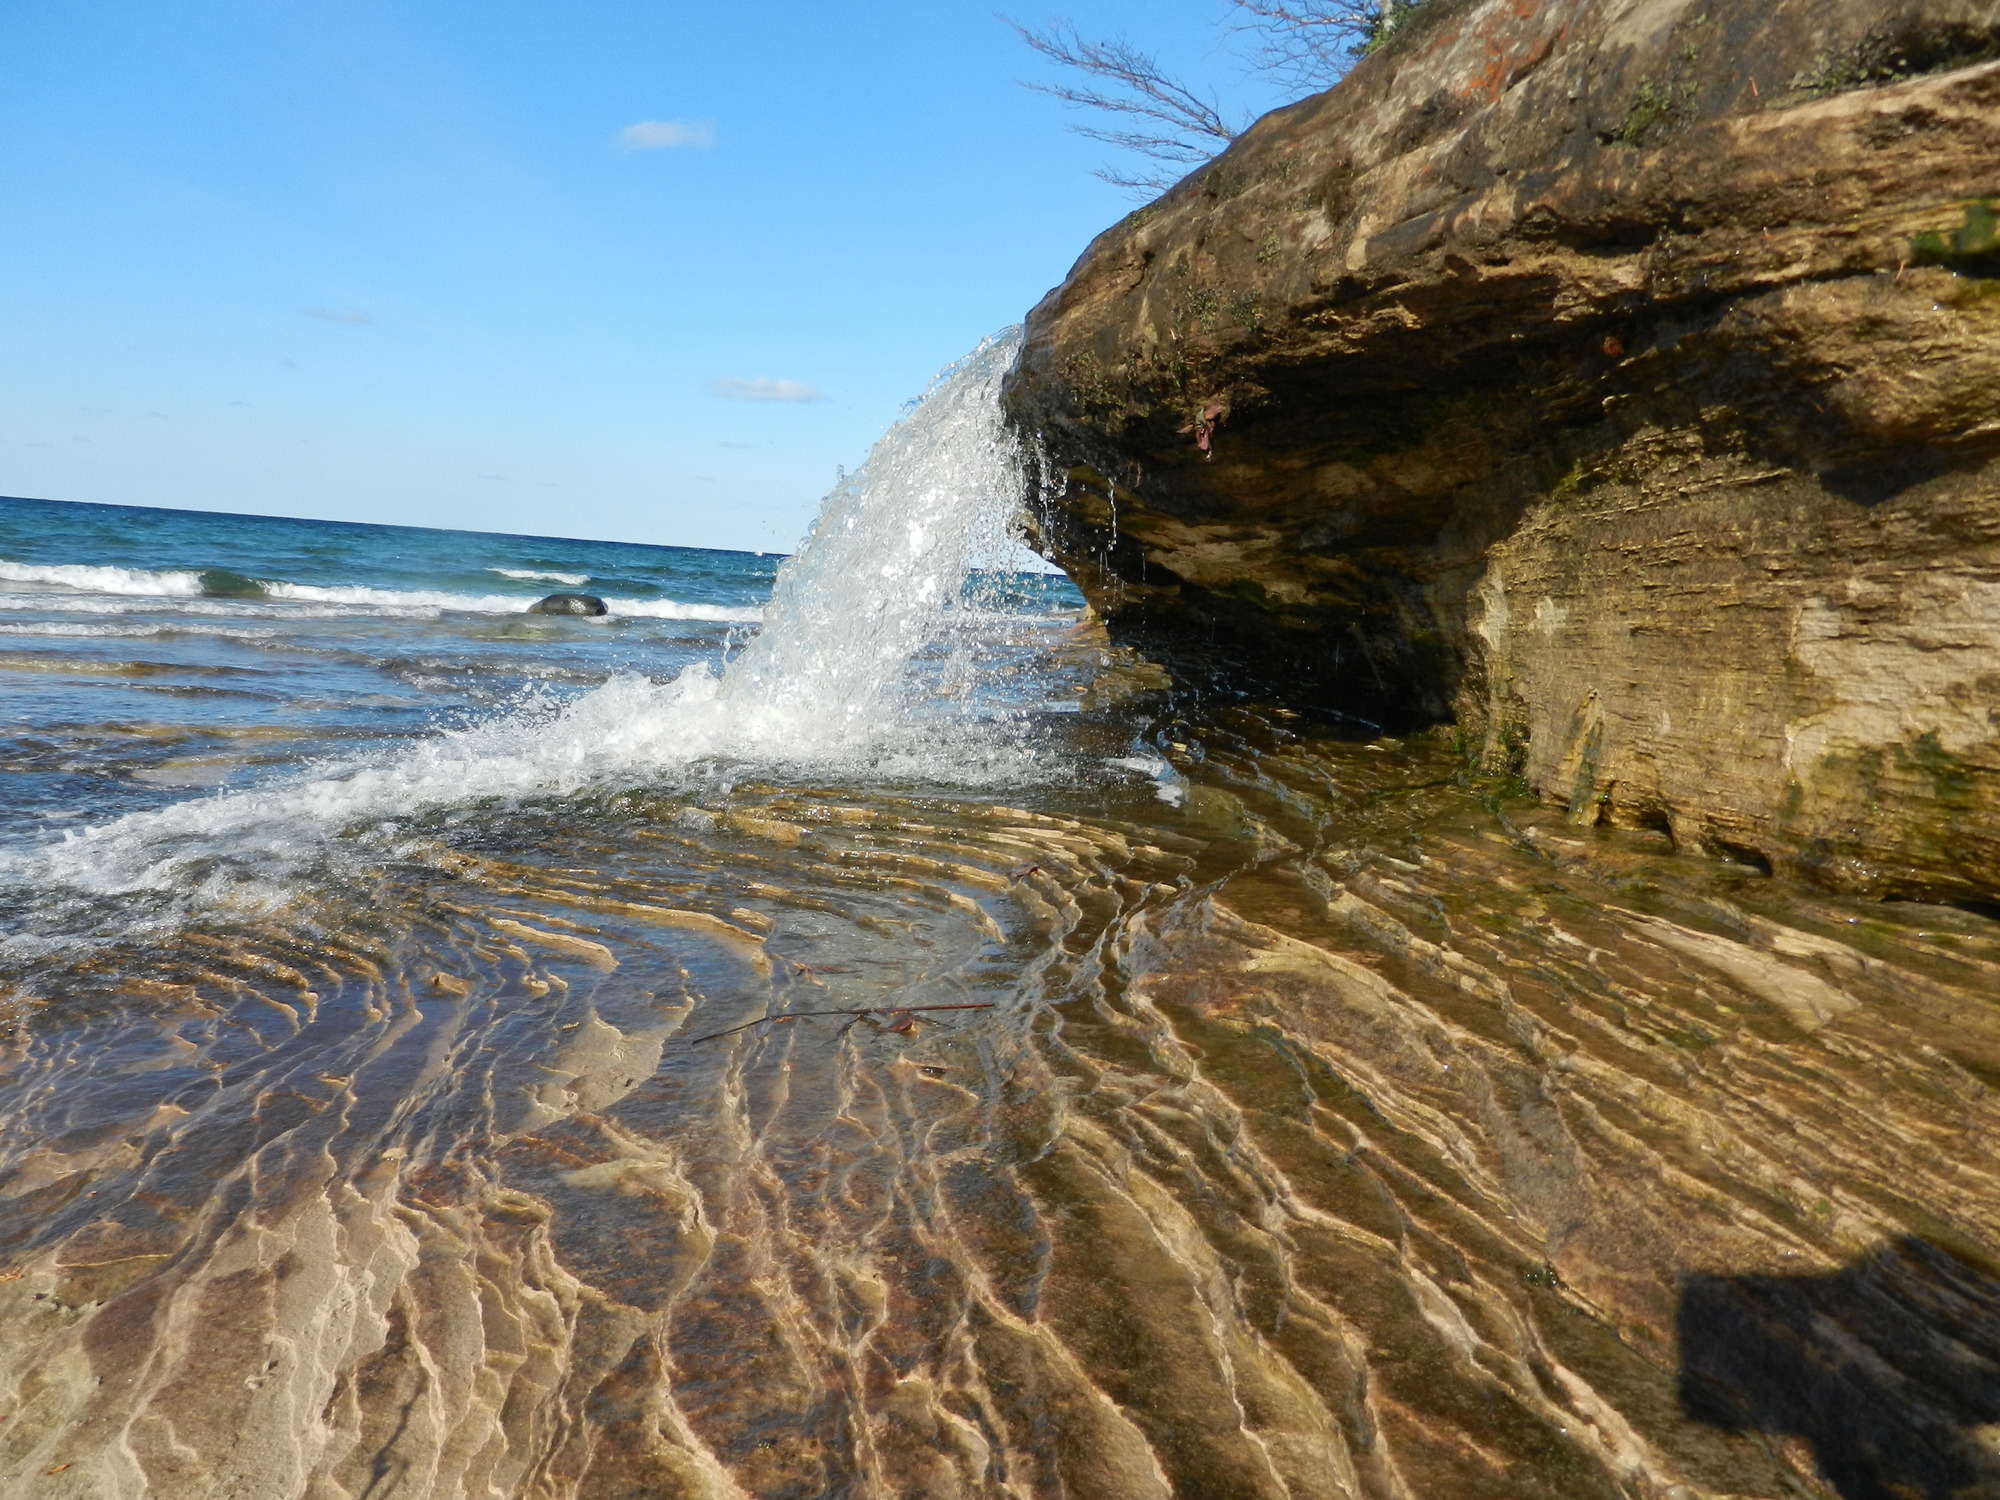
pixel 398 260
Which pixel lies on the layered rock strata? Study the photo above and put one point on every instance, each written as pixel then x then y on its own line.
pixel 1621 379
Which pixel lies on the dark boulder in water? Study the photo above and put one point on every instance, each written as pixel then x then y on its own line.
pixel 569 604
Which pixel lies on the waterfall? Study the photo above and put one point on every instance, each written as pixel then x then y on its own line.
pixel 813 693
pixel 886 559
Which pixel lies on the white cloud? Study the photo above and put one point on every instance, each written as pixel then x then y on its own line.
pixel 734 388
pixel 353 317
pixel 659 135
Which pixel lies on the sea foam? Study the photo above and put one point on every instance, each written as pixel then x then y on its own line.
pixel 820 691
pixel 90 589
pixel 529 575
pixel 103 580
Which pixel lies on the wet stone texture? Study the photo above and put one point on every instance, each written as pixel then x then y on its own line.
pixel 1345 1132
pixel 1616 378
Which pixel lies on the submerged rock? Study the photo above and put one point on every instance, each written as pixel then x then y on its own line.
pixel 1620 380
pixel 1361 1147
pixel 569 604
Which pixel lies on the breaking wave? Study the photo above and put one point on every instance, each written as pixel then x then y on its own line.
pixel 107 590
pixel 401 600
pixel 86 578
pixel 529 575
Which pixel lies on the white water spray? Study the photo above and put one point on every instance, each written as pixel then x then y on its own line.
pixel 816 692
pixel 885 560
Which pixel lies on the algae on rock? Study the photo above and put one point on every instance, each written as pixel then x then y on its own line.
pixel 1622 362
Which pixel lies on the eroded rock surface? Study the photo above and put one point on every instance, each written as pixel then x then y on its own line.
pixel 1620 378
pixel 1331 1137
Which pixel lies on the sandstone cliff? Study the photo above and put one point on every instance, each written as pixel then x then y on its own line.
pixel 1620 377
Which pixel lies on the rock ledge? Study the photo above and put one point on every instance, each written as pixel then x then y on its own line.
pixel 1621 380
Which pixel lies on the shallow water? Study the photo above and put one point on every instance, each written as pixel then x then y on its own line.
pixel 123 685
pixel 1310 1118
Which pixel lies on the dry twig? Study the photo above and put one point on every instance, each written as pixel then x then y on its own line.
pixel 1176 125
pixel 901 1017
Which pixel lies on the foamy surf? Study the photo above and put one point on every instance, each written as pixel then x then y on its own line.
pixel 71 630
pixel 529 575
pixel 670 609
pixel 112 604
pixel 364 597
pixel 137 592
pixel 823 691
pixel 85 578
pixel 238 849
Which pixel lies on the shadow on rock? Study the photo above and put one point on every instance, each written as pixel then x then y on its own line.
pixel 1883 1367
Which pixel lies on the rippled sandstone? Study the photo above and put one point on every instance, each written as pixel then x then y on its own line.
pixel 1619 378
pixel 1354 1129
pixel 1341 1135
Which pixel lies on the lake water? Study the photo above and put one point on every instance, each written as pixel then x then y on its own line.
pixel 832 1028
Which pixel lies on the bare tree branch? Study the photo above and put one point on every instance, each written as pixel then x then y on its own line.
pixel 1188 128
pixel 1306 44
pixel 1310 44
pixel 1162 148
pixel 1151 94
pixel 1140 184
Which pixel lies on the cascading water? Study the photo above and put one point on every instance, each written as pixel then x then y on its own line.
pixel 885 560
pixel 874 582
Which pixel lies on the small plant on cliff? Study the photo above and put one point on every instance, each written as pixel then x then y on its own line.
pixel 1972 249
pixel 1660 106
pixel 1162 126
pixel 1655 107
pixel 1199 305
pixel 1890 56
pixel 1160 118
pixel 1087 379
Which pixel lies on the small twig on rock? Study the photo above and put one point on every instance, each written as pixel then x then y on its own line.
pixel 901 1015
